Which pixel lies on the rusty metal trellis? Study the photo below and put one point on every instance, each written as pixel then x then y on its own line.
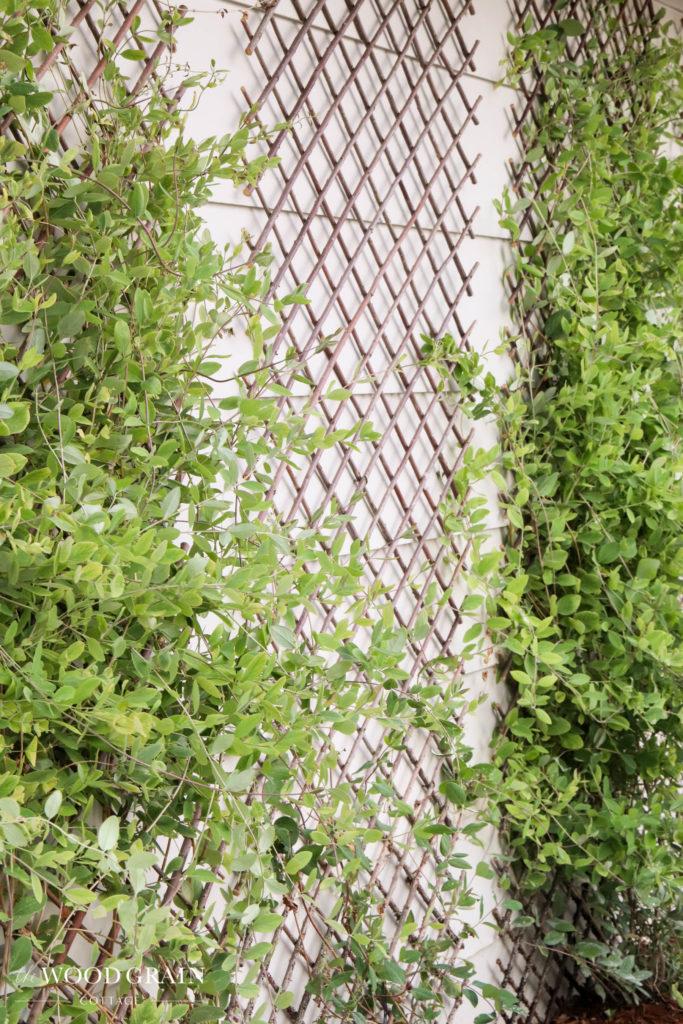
pixel 369 211
pixel 342 195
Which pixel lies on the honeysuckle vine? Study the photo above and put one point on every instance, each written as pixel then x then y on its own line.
pixel 169 778
pixel 586 607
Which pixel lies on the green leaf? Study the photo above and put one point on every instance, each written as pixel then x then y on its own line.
pixel 591 949
pixel 146 1012
pixel 647 568
pixel 20 953
pixel 568 604
pixel 133 54
pixel 390 971
pixel 71 323
pixel 51 140
pixel 512 905
pixel 14 417
pixel 142 305
pixel 122 337
pixel 10 463
pixel 283 636
pixel 108 833
pixel 9 808
pixel 554 559
pixel 38 99
pixel 170 503
pixel 571 27
pixel 42 37
pixel 568 243
pixel 53 803
pixel 238 782
pixel 454 792
pixel 208 1012
pixel 488 562
pixel 266 922
pixel 8 371
pixel 258 951
pixel 557 324
pixel 298 861
pixel 608 552
pixel 12 61
pixel 138 200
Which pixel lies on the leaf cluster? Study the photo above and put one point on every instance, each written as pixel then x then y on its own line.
pixel 172 700
pixel 589 605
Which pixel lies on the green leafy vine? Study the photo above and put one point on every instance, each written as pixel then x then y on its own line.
pixel 587 606
pixel 169 779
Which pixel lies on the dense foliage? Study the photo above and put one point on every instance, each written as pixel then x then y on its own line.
pixel 169 777
pixel 590 602
pixel 585 602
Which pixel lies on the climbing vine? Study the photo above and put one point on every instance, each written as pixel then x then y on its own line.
pixel 171 707
pixel 585 602
pixel 587 608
